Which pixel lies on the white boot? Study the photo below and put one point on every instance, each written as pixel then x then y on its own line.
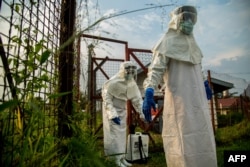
pixel 125 162
pixel 119 163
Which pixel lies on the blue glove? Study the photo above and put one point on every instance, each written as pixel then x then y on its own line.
pixel 117 120
pixel 208 90
pixel 148 102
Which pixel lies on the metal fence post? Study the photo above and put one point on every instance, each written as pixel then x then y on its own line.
pixel 66 62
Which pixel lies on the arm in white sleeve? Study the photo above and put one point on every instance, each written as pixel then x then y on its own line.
pixel 204 75
pixel 156 71
pixel 134 94
pixel 108 104
pixel 137 104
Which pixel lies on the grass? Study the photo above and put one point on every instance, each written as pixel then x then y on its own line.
pixel 239 144
pixel 83 149
pixel 235 137
pixel 156 153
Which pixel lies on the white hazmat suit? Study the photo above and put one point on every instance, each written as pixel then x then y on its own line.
pixel 115 93
pixel 187 130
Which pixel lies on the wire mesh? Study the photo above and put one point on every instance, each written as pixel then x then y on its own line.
pixel 144 57
pixel 111 67
pixel 105 68
pixel 30 39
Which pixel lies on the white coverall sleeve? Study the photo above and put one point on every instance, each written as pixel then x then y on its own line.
pixel 134 94
pixel 204 75
pixel 137 104
pixel 156 71
pixel 108 104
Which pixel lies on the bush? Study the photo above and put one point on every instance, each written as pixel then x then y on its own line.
pixel 230 119
pixel 28 147
pixel 230 134
pixel 232 138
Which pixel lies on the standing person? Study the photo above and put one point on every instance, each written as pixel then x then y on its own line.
pixel 187 130
pixel 115 93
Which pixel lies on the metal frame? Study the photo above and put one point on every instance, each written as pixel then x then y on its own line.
pixel 129 54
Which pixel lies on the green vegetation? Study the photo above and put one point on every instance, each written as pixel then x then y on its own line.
pixel 227 135
pixel 230 119
pixel 31 146
pixel 40 148
pixel 235 137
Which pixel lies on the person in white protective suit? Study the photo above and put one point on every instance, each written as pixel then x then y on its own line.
pixel 187 129
pixel 115 93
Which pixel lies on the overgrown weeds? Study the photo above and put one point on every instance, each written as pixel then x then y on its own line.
pixel 232 138
pixel 34 146
pixel 229 134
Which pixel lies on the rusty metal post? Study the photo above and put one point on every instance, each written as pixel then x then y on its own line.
pixel 78 71
pixel 129 104
pixel 66 62
pixel 127 57
pixel 211 101
pixel 90 85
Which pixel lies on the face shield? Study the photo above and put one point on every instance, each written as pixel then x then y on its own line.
pixel 189 9
pixel 187 16
pixel 129 70
pixel 183 18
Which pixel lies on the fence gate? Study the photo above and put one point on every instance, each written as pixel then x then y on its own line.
pixel 101 68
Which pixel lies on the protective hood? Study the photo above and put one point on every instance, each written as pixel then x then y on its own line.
pixel 120 87
pixel 123 89
pixel 177 45
pixel 178 14
pixel 127 68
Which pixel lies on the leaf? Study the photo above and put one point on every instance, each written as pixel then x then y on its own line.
pixel 38 47
pixel 17 27
pixel 35 31
pixel 17 8
pixel 16 39
pixel 45 56
pixel 59 95
pixel 44 78
pixel 19 120
pixel 8 104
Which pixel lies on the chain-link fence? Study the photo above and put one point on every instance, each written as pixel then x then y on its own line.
pixel 30 38
pixel 39 78
pixel 101 68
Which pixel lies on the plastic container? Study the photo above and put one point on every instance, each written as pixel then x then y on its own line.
pixel 137 147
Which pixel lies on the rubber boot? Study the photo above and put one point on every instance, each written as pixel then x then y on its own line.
pixel 125 162
pixel 119 163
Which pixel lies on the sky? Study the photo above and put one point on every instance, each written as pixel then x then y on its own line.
pixel 222 30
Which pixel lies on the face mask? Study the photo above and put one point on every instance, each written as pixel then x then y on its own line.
pixel 129 76
pixel 186 27
pixel 130 72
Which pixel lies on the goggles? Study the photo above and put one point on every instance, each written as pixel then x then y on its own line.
pixel 130 70
pixel 130 67
pixel 185 16
pixel 182 9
